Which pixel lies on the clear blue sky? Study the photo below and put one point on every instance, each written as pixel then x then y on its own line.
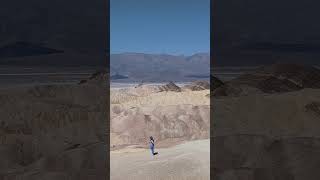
pixel 160 26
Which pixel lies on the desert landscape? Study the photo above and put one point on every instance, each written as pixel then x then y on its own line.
pixel 177 116
pixel 265 124
pixel 51 130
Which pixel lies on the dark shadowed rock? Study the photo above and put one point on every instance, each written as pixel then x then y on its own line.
pixel 22 48
pixel 277 78
pixel 54 131
pixel 43 126
pixel 259 137
pixel 301 75
pixel 313 107
pixel 170 87
pixel 215 82
pixel 83 81
pixel 98 78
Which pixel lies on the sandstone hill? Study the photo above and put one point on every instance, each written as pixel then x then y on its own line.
pixel 53 132
pixel 170 116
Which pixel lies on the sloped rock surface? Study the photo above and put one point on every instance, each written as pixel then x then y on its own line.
pixel 98 78
pixel 215 82
pixel 277 78
pixel 198 86
pixel 170 87
pixel 271 137
pixel 134 126
pixel 53 132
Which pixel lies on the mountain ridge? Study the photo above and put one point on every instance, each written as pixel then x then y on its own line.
pixel 160 67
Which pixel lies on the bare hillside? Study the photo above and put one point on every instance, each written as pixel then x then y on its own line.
pixel 170 116
pixel 53 131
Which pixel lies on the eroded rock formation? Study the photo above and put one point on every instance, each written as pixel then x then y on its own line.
pixel 277 78
pixel 269 131
pixel 179 122
pixel 170 87
pixel 198 86
pixel 53 132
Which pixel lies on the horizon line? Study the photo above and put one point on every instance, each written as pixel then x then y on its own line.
pixel 128 52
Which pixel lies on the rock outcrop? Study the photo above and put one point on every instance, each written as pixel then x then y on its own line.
pixel 267 136
pixel 54 132
pixel 170 87
pixel 171 117
pixel 97 78
pixel 178 122
pixel 198 86
pixel 215 82
pixel 277 78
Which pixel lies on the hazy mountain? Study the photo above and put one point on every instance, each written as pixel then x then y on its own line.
pixel 267 32
pixel 21 48
pixel 33 32
pixel 160 67
pixel 118 76
pixel 27 54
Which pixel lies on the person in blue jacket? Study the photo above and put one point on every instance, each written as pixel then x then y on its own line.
pixel 152 146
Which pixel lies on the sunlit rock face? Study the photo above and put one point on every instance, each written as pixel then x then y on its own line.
pixel 179 122
pixel 169 113
pixel 198 86
pixel 170 87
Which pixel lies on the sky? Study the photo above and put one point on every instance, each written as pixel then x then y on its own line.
pixel 178 27
pixel 266 32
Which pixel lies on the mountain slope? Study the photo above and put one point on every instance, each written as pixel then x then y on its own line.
pixel 155 67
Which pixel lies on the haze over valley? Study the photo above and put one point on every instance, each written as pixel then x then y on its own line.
pixel 137 67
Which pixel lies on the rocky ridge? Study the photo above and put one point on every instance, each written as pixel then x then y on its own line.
pixel 266 125
pixel 54 132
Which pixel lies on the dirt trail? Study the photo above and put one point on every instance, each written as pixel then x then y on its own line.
pixel 188 161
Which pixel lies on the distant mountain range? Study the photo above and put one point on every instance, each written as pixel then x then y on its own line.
pixel 118 76
pixel 23 54
pixel 267 32
pixel 21 49
pixel 266 53
pixel 160 67
pixel 53 33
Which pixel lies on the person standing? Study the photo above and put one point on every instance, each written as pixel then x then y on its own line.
pixel 151 142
